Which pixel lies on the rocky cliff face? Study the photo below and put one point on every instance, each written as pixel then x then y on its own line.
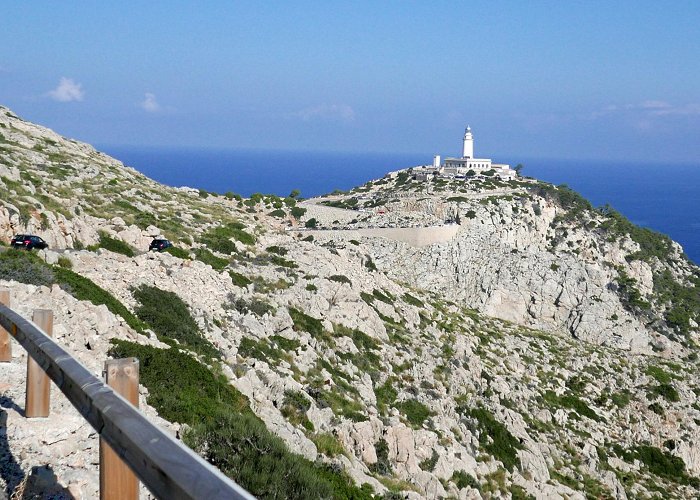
pixel 518 358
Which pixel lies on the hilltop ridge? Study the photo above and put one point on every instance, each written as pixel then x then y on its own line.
pixel 540 348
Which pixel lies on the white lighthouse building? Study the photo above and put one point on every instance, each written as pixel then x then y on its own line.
pixel 469 165
pixel 468 146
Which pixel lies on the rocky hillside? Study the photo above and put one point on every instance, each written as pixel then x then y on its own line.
pixel 546 350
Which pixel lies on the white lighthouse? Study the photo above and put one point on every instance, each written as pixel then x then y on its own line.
pixel 468 148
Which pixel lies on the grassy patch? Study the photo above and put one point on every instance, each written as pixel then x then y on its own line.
pixel 416 412
pixel 226 433
pixel 25 267
pixel 113 245
pixel 572 402
pixel 169 317
pixel 494 437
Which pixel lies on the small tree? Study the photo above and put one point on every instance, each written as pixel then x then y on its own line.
pixel 519 168
pixel 311 223
pixel 295 193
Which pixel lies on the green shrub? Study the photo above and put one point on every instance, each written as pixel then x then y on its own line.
pixel 369 264
pixel 339 278
pixel 239 280
pixel 621 399
pixel 298 212
pixel 83 288
pixel 661 463
pixel 429 463
pixel 226 433
pixel 25 267
pixel 178 252
pixel 311 223
pixel 277 249
pixel 282 262
pixel 415 411
pixel 572 402
pixel 168 316
pixel 308 238
pixel 254 305
pixel 328 444
pixel 279 213
pixel 383 465
pixel 494 437
pixel 64 262
pixel 386 396
pixel 285 343
pixel 384 297
pixel 305 323
pixel 294 408
pixel 219 238
pixel 311 287
pixel 114 245
pixel 464 480
pixel 262 350
pixel 410 299
pixel 204 255
pixel 657 408
pixel 666 391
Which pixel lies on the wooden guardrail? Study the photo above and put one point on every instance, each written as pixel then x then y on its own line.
pixel 167 468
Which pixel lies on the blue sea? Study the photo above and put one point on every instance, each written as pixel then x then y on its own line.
pixel 663 197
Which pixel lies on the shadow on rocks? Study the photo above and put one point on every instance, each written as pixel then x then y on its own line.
pixel 41 483
pixel 10 471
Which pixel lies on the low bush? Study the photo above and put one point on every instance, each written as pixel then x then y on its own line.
pixel 262 350
pixel 429 463
pixel 666 391
pixel 328 444
pixel 386 396
pixel 26 267
pixel 277 249
pixel 83 288
pixel 339 278
pixel 298 212
pixel 204 255
pixel 113 245
pixel 225 432
pixel 169 317
pixel 494 437
pixel 382 465
pixel 416 412
pixel 661 463
pixel 572 402
pixel 254 305
pixel 305 323
pixel 294 408
pixel 178 252
pixel 239 280
pixel 311 223
pixel 464 480
pixel 410 299
pixel 64 262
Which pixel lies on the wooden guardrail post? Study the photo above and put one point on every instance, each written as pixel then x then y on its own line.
pixel 117 481
pixel 5 344
pixel 38 391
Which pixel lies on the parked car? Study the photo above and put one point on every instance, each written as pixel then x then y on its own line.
pixel 159 245
pixel 28 242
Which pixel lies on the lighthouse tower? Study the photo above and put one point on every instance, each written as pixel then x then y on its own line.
pixel 468 149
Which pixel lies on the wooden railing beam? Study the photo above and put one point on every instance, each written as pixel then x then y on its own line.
pixel 168 468
pixel 5 344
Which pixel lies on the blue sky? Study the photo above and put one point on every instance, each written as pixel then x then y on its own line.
pixel 592 79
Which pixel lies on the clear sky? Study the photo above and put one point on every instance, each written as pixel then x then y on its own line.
pixel 559 79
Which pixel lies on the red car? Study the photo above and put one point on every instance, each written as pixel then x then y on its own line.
pixel 28 242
